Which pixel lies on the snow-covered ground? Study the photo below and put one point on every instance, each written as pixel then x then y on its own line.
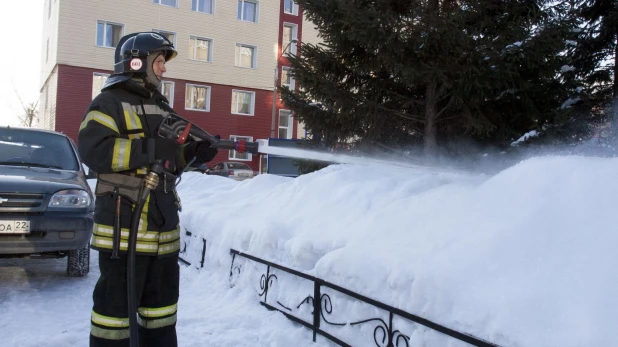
pixel 525 257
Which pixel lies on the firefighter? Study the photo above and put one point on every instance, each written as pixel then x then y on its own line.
pixel 118 140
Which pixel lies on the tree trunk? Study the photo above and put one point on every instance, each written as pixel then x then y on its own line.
pixel 431 129
pixel 30 115
pixel 431 145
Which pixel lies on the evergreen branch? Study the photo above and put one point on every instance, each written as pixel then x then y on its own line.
pixel 401 114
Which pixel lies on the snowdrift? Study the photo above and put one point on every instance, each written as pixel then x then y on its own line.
pixel 522 258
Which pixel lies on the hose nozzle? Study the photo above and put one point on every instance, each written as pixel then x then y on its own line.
pixel 240 146
pixel 179 129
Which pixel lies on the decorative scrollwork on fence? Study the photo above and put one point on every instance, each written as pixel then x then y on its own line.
pixel 263 284
pixel 307 300
pixel 326 305
pixel 282 305
pixel 382 334
pixel 397 335
pixel 387 338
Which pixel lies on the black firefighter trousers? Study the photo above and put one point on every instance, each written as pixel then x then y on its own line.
pixel 157 281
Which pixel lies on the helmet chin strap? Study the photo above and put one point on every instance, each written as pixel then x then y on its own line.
pixel 151 80
pixel 143 80
pixel 150 84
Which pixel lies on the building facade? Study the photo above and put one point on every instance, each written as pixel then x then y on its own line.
pixel 231 54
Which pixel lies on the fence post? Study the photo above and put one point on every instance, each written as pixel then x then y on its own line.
pixel 317 308
pixel 390 329
pixel 203 253
pixel 232 266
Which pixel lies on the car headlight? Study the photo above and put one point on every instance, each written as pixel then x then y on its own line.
pixel 70 198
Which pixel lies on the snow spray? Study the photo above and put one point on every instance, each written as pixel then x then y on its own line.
pixel 298 153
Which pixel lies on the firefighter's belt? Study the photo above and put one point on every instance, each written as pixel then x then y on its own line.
pixel 123 185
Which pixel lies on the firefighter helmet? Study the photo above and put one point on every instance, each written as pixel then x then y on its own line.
pixel 133 50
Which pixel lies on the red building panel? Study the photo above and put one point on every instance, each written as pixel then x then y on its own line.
pixel 74 94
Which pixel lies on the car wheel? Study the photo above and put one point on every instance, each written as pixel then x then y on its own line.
pixel 78 262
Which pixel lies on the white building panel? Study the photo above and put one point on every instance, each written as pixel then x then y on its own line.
pixel 78 31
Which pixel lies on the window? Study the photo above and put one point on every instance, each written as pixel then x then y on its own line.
pixel 200 49
pixel 167 34
pixel 287 80
pixel 197 98
pixel 108 34
pixel 243 102
pixel 98 81
pixel 286 124
pixel 241 156
pixel 248 10
pixel 290 7
pixel 289 38
pixel 172 3
pixel 245 56
pixel 204 6
pixel 167 89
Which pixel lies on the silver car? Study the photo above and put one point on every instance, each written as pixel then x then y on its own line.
pixel 231 169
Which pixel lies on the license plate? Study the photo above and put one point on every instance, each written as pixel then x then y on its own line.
pixel 242 174
pixel 14 226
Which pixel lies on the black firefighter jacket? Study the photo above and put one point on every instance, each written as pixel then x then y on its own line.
pixel 117 136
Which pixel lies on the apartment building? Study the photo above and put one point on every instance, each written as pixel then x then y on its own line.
pixel 231 53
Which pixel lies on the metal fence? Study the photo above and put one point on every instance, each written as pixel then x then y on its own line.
pixel 385 333
pixel 183 251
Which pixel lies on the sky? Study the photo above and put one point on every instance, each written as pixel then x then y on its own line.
pixel 22 23
pixel 522 257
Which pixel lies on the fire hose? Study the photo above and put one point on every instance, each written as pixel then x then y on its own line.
pixel 181 130
pixel 150 182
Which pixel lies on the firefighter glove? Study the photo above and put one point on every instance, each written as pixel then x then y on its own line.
pixel 167 151
pixel 201 150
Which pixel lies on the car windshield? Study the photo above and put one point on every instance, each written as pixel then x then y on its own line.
pixel 238 166
pixel 34 148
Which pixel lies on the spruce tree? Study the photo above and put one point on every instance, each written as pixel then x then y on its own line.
pixel 393 73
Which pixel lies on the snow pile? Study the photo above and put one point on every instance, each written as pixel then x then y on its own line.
pixel 523 258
